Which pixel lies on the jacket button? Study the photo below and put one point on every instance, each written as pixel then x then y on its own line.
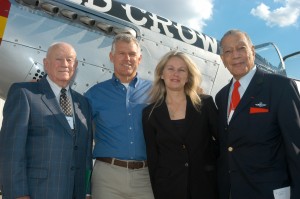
pixel 225 127
pixel 183 146
pixel 186 164
pixel 230 149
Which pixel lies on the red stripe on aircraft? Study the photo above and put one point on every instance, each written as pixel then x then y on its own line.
pixel 4 8
pixel 4 11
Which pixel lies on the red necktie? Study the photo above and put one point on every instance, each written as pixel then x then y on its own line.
pixel 235 97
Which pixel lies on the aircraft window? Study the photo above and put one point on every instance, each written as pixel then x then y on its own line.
pixel 292 65
pixel 269 58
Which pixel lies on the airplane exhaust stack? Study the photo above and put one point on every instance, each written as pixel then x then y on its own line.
pixel 31 2
pixel 87 21
pixel 50 8
pixel 105 27
pixel 69 14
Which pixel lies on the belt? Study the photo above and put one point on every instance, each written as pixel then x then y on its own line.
pixel 125 164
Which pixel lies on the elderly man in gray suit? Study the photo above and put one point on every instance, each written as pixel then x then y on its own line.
pixel 45 149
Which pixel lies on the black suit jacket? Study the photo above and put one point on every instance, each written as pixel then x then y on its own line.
pixel 259 148
pixel 178 164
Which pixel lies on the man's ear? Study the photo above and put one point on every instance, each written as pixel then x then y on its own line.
pixel 253 51
pixel 111 56
pixel 45 62
pixel 222 58
pixel 76 64
pixel 140 58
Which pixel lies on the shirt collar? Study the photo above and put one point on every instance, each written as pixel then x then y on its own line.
pixel 245 80
pixel 55 88
pixel 133 83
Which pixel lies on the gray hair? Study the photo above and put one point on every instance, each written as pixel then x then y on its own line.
pixel 125 38
pixel 234 32
pixel 59 44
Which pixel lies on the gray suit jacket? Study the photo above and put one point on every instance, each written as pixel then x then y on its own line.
pixel 40 155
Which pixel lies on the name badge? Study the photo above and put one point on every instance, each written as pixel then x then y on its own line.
pixel 70 121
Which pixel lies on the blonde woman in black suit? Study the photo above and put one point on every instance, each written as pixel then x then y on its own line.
pixel 180 132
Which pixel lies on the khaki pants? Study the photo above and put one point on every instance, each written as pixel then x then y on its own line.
pixel 114 182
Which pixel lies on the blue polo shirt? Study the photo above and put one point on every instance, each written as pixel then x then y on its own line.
pixel 117 115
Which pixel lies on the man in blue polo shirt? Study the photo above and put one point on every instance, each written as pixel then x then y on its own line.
pixel 120 170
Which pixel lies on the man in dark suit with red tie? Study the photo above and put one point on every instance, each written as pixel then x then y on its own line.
pixel 259 128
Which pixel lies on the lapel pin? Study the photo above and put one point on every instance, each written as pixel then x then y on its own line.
pixel 260 104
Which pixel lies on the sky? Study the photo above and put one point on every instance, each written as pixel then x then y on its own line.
pixel 275 21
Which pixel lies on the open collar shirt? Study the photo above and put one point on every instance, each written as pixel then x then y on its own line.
pixel 117 115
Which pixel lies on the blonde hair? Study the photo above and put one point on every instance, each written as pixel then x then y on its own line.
pixel 191 88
